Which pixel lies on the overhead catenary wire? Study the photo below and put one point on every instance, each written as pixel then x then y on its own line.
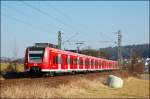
pixel 16 19
pixel 68 40
pixel 48 15
pixel 110 39
pixel 23 14
pixel 66 16
pixel 60 12
pixel 68 19
pixel 21 21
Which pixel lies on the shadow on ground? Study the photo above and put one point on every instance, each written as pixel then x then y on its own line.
pixel 14 75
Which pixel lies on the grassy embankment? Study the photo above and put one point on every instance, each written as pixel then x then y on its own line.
pixel 8 67
pixel 81 88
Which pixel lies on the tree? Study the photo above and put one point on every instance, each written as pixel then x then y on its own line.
pixel 137 64
pixel 135 57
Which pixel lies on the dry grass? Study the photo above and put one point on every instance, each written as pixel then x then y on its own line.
pixel 5 67
pixel 80 88
pixel 1 77
pixel 20 68
pixel 133 88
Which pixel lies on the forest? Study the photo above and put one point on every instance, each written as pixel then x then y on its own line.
pixel 111 52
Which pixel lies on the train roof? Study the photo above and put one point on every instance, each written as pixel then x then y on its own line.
pixel 69 53
pixel 76 54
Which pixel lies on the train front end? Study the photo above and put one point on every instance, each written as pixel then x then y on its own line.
pixel 34 59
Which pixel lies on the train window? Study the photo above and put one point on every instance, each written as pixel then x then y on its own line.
pixel 109 64
pixel 99 63
pixel 78 61
pixel 36 54
pixel 87 62
pixel 103 63
pixel 92 63
pixel 35 57
pixel 75 61
pixel 67 60
pixel 71 61
pixel 60 61
pixel 55 59
pixel 96 63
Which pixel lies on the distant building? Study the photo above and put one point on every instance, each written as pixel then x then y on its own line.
pixel 147 64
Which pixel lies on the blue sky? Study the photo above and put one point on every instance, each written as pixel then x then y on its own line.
pixel 89 21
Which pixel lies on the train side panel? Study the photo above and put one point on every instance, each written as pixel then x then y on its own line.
pixel 58 60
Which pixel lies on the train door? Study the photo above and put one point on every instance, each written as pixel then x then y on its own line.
pixel 107 64
pixel 116 65
pixel 83 62
pixel 92 63
pixel 54 60
pixel 89 67
pixel 112 65
pixel 103 64
pixel 80 63
pixel 86 63
pixel 75 62
pixel 96 64
pixel 71 62
pixel 100 64
pixel 64 61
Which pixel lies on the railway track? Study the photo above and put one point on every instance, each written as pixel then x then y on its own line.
pixel 61 79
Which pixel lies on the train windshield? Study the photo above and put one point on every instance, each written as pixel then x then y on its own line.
pixel 36 54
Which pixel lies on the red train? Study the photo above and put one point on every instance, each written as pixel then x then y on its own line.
pixel 39 59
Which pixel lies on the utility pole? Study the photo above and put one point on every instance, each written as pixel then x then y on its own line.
pixel 79 43
pixel 59 39
pixel 119 49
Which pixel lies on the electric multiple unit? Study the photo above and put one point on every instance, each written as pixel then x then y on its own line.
pixel 50 60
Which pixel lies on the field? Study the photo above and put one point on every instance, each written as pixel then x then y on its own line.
pixel 90 85
pixel 5 67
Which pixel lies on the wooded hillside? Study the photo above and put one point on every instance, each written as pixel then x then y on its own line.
pixel 111 52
